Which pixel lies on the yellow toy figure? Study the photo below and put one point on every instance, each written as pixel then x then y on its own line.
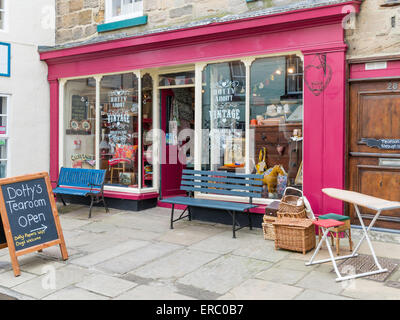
pixel 271 178
pixel 261 166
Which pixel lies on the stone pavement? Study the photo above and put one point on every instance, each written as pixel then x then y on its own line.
pixel 134 255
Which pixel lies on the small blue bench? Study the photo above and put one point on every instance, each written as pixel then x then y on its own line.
pixel 221 183
pixel 82 182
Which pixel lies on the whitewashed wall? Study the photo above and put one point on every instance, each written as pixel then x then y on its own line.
pixel 30 23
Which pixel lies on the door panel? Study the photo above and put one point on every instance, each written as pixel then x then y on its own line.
pixel 374 114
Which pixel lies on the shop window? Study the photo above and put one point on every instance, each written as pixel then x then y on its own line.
pixel 147 126
pixel 224 116
pixel 3 13
pixel 3 136
pixel 79 123
pixel 119 140
pixel 276 122
pixel 117 10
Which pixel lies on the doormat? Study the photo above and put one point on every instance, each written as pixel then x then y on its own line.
pixel 365 263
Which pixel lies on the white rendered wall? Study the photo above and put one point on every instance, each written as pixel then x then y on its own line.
pixel 30 24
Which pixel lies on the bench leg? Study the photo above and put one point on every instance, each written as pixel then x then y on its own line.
pixel 234 224
pixel 105 204
pixel 91 205
pixel 172 216
pixel 62 200
pixel 250 224
pixel 190 214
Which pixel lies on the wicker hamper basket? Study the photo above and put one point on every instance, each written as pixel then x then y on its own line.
pixel 294 234
pixel 268 227
pixel 298 215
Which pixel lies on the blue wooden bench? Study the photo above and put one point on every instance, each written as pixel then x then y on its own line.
pixel 221 183
pixel 82 182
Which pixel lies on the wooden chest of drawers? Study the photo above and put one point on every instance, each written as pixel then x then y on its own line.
pixel 270 136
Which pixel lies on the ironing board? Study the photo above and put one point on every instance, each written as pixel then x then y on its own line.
pixel 362 200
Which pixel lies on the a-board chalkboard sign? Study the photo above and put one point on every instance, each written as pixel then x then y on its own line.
pixel 79 110
pixel 29 216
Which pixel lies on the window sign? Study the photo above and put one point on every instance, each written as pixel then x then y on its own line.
pixel 5 55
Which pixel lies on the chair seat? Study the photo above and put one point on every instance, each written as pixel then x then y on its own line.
pixel 333 216
pixel 328 223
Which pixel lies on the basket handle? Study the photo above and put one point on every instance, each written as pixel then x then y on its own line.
pixel 301 192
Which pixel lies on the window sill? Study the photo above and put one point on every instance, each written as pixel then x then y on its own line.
pixel 110 26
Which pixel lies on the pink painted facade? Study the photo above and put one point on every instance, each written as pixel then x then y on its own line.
pixel 317 33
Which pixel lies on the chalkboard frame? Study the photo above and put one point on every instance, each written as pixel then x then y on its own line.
pixel 7 229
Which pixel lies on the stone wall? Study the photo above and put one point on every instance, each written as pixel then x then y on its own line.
pixel 376 32
pixel 76 20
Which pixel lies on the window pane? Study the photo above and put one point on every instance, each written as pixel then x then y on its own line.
pixel 223 116
pixel 173 79
pixel 2 14
pixel 3 169
pixel 116 8
pixel 3 149
pixel 3 115
pixel 147 126
pixel 119 129
pixel 79 121
pixel 276 122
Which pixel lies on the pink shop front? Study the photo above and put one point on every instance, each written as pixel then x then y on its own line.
pixel 219 96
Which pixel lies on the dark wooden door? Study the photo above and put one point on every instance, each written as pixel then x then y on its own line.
pixel 374 164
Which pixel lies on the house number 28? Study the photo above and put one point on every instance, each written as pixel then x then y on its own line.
pixel 393 86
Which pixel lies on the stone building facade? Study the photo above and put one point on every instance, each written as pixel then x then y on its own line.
pixel 77 20
pixel 376 30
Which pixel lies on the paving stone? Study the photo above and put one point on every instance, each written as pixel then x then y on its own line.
pixel 175 265
pixel 147 292
pixel 281 275
pixel 7 279
pixel 313 295
pixel 106 285
pixel 293 264
pixel 71 224
pixel 261 249
pixel 40 267
pixel 322 281
pixel 147 223
pixel 98 227
pixel 370 290
pixel 387 250
pixel 188 235
pixel 224 243
pixel 223 274
pixel 73 293
pixel 133 234
pixel 39 287
pixel 132 260
pixel 106 254
pixel 54 252
pixel 256 289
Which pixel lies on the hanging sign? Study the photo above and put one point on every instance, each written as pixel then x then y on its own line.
pixel 384 144
pixel 29 217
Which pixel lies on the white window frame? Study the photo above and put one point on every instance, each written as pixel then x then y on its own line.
pixel 5 11
pixel 110 18
pixel 6 135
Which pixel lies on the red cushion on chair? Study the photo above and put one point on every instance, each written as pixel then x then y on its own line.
pixel 328 223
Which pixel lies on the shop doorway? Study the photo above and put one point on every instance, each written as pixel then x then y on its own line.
pixel 374 146
pixel 177 114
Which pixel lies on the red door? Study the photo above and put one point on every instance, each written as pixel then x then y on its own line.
pixel 171 168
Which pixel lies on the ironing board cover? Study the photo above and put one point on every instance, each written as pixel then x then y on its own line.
pixel 361 199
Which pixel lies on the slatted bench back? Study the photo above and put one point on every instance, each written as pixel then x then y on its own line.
pixel 81 178
pixel 221 182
